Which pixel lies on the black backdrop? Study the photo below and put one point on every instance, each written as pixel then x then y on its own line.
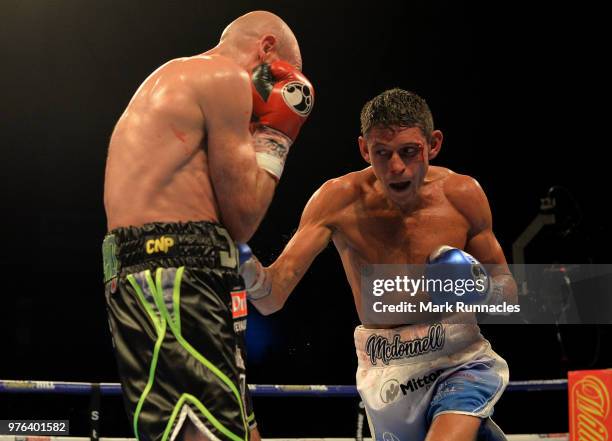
pixel 503 85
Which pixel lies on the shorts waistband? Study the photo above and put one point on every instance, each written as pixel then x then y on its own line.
pixel 195 244
pixel 413 343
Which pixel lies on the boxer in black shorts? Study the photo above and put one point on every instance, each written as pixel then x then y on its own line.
pixel 177 309
pixel 192 165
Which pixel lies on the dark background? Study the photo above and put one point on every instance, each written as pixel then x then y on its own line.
pixel 505 86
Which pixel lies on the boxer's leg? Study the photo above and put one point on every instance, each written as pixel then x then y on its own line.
pixel 464 427
pixel 453 427
pixel 464 400
pixel 176 345
pixel 489 431
pixel 255 435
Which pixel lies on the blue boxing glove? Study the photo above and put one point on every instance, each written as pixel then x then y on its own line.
pixel 452 275
pixel 244 252
pixel 256 280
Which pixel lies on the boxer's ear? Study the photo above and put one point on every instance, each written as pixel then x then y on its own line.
pixel 435 143
pixel 266 45
pixel 363 149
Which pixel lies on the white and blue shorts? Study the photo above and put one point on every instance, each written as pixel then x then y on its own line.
pixel 407 376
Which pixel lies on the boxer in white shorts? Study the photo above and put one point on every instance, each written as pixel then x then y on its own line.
pixel 457 373
pixel 401 210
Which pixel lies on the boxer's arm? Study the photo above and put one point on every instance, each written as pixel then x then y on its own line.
pixel 312 236
pixel 466 194
pixel 243 190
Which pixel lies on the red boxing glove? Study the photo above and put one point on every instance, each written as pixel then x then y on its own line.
pixel 282 100
pixel 282 97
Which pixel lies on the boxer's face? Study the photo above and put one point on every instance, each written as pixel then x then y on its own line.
pixel 399 157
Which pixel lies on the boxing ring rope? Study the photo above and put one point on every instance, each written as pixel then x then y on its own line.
pixel 257 390
pixel 95 390
pixel 546 437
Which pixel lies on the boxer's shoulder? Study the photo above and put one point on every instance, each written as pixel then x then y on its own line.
pixel 339 191
pixel 218 68
pixel 353 186
pixel 217 82
pixel 467 196
pixel 211 76
pixel 337 194
pixel 212 62
pixel 437 173
pixel 207 70
pixel 457 186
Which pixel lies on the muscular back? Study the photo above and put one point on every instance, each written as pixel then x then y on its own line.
pixel 157 166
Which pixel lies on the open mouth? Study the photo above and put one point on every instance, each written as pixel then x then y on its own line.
pixel 400 186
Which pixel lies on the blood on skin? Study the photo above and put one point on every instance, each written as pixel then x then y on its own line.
pixel 182 136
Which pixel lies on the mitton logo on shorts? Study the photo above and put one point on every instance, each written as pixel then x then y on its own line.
pixel 239 304
pixel 389 391
pixel 425 381
pixel 391 388
pixel 299 97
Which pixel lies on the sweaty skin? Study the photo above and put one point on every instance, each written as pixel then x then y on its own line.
pixel 182 150
pixel 374 217
pixel 367 229
pixel 369 224
pixel 185 132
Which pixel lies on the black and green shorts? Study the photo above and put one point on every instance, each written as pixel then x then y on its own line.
pixel 177 312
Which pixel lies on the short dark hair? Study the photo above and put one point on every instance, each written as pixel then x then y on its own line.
pixel 397 107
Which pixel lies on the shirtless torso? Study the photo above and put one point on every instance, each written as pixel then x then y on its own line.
pixel 187 155
pixel 370 231
pixel 400 210
pixel 184 133
pixel 367 228
pixel 157 163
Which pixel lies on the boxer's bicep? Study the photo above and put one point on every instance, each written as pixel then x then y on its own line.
pixel 243 192
pixel 227 109
pixel 485 248
pixel 468 197
pixel 482 243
